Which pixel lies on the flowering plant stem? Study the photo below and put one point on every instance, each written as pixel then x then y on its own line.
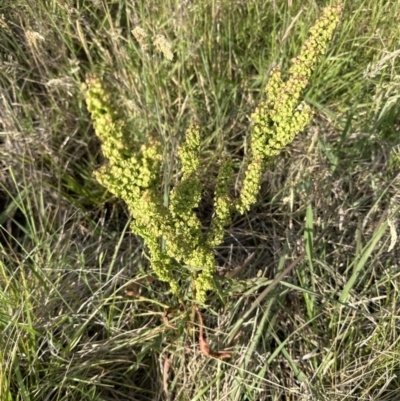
pixel 133 169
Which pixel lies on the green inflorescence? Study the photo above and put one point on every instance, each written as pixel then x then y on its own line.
pixel 133 171
pixel 279 117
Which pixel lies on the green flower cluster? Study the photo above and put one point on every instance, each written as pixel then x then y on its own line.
pixel 173 235
pixel 133 173
pixel 278 119
pixel 134 176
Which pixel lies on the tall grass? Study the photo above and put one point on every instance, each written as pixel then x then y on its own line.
pixel 80 315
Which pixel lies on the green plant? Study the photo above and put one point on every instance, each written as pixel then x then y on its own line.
pixel 178 248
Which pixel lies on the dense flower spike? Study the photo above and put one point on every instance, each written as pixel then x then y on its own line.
pixel 278 119
pixel 132 174
pixel 133 170
pixel 222 204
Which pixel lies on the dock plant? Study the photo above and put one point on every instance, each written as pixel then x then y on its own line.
pixel 180 251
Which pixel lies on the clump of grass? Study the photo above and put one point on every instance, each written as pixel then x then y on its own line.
pixel 81 314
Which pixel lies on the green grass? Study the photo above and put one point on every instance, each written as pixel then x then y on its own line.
pixel 323 328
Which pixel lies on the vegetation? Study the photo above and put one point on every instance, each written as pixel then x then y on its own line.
pixel 134 174
pixel 296 236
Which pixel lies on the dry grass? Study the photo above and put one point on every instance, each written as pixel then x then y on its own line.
pixel 329 330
